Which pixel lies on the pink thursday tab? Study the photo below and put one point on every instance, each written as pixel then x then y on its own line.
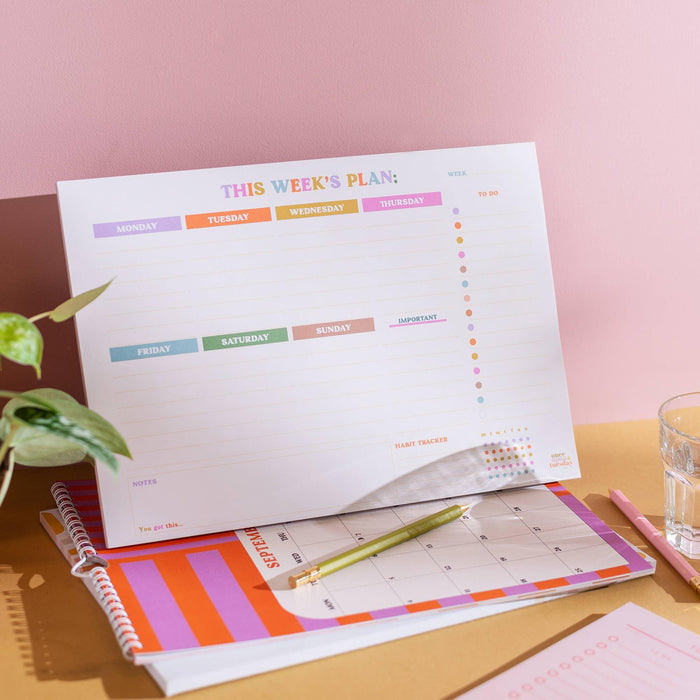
pixel 402 201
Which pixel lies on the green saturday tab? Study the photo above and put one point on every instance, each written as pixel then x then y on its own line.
pixel 239 340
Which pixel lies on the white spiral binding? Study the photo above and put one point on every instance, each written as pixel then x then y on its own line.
pixel 93 567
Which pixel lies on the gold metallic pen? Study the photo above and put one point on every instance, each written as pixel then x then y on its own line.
pixel 391 539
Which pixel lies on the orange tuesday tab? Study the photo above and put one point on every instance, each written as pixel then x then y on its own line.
pixel 228 218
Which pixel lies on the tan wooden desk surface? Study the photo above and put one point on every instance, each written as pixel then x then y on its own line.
pixel 55 642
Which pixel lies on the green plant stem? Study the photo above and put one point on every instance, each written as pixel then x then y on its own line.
pixel 6 469
pixel 38 317
pixel 9 394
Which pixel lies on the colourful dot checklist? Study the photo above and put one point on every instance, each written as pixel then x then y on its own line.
pixel 313 338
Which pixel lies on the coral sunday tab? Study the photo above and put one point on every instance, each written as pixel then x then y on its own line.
pixel 319 330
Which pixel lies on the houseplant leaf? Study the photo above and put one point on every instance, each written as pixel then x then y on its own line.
pixel 34 447
pixel 59 425
pixel 21 341
pixel 62 418
pixel 69 308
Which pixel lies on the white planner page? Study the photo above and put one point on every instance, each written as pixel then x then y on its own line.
pixel 298 339
pixel 630 654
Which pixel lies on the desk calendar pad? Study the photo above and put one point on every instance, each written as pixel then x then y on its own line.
pixel 231 588
pixel 300 339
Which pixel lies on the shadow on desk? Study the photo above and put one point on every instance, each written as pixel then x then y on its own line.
pixel 67 638
pixel 60 633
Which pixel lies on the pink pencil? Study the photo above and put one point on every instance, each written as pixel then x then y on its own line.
pixel 674 558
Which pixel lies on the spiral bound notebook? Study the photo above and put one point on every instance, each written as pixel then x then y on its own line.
pixel 201 610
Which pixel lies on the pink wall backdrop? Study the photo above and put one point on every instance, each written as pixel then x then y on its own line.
pixel 608 89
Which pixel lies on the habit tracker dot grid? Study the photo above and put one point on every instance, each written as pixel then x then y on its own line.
pixel 300 339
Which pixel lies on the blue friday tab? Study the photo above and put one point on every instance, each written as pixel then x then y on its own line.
pixel 141 352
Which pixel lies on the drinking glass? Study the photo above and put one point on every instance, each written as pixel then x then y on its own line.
pixel 679 440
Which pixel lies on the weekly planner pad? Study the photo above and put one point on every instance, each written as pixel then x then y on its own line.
pixel 313 338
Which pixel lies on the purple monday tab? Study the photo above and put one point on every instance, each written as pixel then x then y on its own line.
pixel 402 201
pixel 131 228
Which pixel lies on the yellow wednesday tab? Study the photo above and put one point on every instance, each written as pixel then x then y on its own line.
pixel 303 211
